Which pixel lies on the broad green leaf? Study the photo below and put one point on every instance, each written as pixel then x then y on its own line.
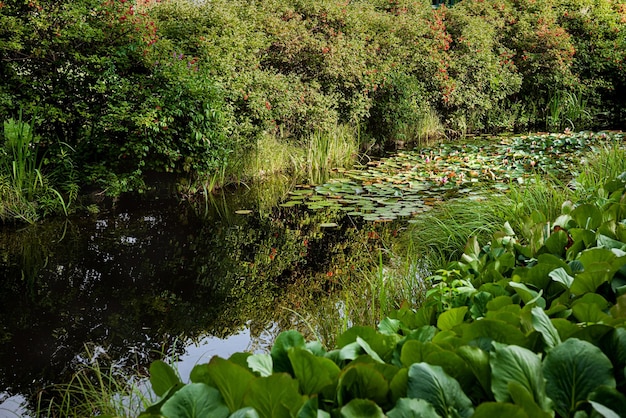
pixel 275 396
pixel 606 242
pixel 499 409
pixel 613 345
pixel 310 409
pixel 313 373
pixel 610 398
pixel 196 400
pixel 493 330
pixel 565 328
pixel 542 324
pixel 261 363
pixel 574 369
pixel 351 351
pixel 389 326
pixel 382 344
pixel 162 377
pixel 414 351
pixel 283 343
pixel 516 364
pixel 590 313
pixel 366 347
pixel 560 275
pixel 433 385
pixel 454 366
pixel 479 304
pixel 451 318
pixel 398 384
pixel 246 412
pixel 600 264
pixel 362 408
pixel 523 398
pixel 603 410
pixel 587 216
pixel 499 302
pixel 362 381
pixel 413 408
pixel 556 243
pixel 472 250
pixel 478 362
pixel 528 295
pixel 231 380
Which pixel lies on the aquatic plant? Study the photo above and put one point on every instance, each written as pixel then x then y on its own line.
pixel 410 182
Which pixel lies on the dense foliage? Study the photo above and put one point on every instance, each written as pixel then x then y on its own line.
pixel 117 90
pixel 529 326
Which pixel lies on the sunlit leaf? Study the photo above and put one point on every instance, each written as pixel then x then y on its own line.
pixel 162 377
pixel 196 400
pixel 433 385
pixel 573 370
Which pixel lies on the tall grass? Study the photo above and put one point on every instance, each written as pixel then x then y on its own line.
pixel 567 109
pixel 97 390
pixel 330 150
pixel 595 169
pixel 25 192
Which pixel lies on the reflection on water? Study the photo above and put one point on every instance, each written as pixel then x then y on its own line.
pixel 153 278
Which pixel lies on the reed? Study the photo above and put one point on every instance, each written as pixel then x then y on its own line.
pixel 326 151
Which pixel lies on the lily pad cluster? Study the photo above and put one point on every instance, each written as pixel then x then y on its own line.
pixel 410 182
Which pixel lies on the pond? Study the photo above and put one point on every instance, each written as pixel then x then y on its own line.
pixel 149 277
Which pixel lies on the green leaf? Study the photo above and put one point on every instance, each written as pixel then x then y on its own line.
pixel 414 351
pixel 516 364
pixel 362 408
pixel 451 318
pixel 494 330
pixel 433 385
pixel 362 381
pixel 603 410
pixel 541 323
pixel 313 373
pixel 283 343
pixel 574 369
pixel 195 400
pixel 162 377
pixel 382 344
pixel 261 363
pixel 499 409
pixel 600 264
pixel 413 408
pixel 556 243
pixel 275 396
pixel 610 398
pixel 528 295
pixel 366 347
pixel 521 397
pixel 587 216
pixel 231 380
pixel 246 412
pixel 560 275
pixel 478 362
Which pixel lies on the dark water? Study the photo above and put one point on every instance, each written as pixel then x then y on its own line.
pixel 152 278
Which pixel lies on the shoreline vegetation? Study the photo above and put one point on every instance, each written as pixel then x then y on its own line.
pixel 224 92
pixel 483 300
